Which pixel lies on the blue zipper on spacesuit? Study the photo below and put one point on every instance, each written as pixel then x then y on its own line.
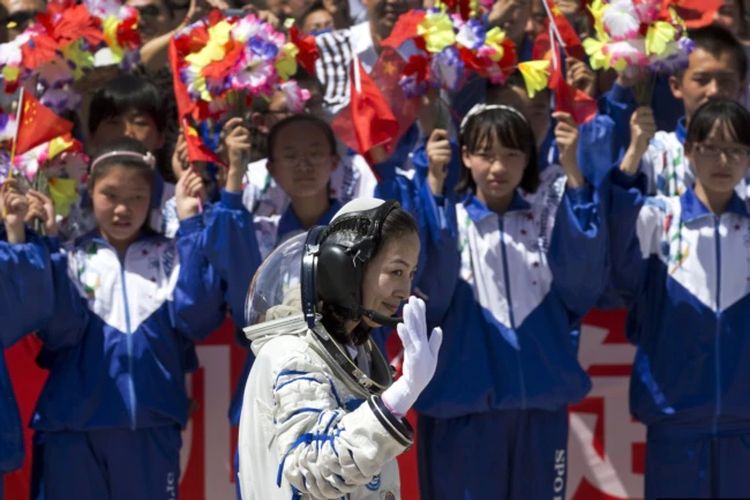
pixel 521 380
pixel 717 339
pixel 129 344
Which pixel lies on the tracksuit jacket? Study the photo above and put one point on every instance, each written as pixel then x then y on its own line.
pixel 25 305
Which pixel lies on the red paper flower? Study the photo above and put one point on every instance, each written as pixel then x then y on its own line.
pixel 128 35
pixel 38 50
pixel 419 66
pixel 76 23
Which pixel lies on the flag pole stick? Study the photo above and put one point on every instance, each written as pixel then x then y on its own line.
pixel 18 127
pixel 553 25
pixel 13 145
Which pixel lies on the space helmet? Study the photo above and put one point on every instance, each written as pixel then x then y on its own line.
pixel 324 265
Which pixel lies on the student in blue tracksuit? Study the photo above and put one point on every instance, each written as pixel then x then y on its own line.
pixel 25 305
pixel 717 67
pixel 683 263
pixel 510 270
pixel 128 305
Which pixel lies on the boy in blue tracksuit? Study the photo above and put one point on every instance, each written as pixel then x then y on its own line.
pixel 127 306
pixel 503 277
pixel 717 67
pixel 683 265
pixel 25 305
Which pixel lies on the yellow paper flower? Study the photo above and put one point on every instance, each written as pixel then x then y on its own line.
pixel 58 145
pixel 535 76
pixel 63 193
pixel 597 9
pixel 81 59
pixel 473 8
pixel 658 38
pixel 218 37
pixel 286 63
pixel 11 73
pixel 595 50
pixel 437 30
pixel 109 26
pixel 494 39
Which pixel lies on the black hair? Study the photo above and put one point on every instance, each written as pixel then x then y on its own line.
pixel 123 144
pixel 396 224
pixel 273 135
pixel 722 110
pixel 124 94
pixel 717 40
pixel 512 130
pixel 315 7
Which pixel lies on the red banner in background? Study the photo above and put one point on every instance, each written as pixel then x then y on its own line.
pixel 605 449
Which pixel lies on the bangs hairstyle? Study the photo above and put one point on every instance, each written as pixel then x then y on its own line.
pixel 717 40
pixel 719 111
pixel 511 130
pixel 273 135
pixel 122 145
pixel 127 94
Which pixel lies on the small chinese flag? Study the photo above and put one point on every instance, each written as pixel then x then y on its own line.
pixel 367 121
pixel 569 99
pixel 196 148
pixel 38 124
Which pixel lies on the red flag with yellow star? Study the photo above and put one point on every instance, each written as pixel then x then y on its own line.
pixel 196 148
pixel 38 124
pixel 386 74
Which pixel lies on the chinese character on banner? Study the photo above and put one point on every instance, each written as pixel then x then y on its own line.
pixel 606 447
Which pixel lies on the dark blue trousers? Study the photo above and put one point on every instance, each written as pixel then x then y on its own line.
pixel 502 455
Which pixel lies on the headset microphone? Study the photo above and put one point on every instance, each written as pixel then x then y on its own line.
pixel 381 319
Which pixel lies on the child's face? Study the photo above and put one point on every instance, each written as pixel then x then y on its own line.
pixel 136 125
pixel 302 161
pixel 720 162
pixel 318 21
pixel 154 18
pixel 706 77
pixel 121 199
pixel 388 276
pixel 496 170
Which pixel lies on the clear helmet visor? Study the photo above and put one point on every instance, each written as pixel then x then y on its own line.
pixel 275 289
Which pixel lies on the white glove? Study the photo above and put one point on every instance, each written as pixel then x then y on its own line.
pixel 420 358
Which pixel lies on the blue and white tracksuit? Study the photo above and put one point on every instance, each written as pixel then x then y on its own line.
pixel 25 305
pixel 619 103
pixel 118 348
pixel 509 295
pixel 686 273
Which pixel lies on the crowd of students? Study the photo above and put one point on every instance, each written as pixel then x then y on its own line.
pixel 526 222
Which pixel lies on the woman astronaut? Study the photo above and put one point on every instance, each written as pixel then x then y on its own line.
pixel 321 415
